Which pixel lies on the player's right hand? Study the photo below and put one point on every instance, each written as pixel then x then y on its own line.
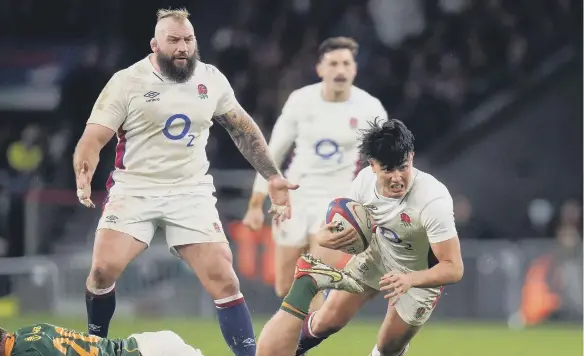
pixel 279 191
pixel 330 236
pixel 254 218
pixel 84 186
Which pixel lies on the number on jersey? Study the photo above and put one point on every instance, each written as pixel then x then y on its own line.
pixel 69 338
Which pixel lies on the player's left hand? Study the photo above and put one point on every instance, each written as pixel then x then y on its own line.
pixel 398 283
pixel 279 191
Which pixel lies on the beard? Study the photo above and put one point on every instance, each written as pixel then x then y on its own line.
pixel 179 74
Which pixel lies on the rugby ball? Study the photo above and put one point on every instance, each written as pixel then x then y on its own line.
pixel 351 215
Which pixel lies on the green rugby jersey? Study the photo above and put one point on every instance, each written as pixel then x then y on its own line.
pixel 51 340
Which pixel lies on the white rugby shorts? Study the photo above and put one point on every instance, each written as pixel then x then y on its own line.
pixel 415 307
pixel 164 343
pixel 184 219
pixel 307 219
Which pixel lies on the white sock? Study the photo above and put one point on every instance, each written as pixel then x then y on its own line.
pixel 229 301
pixel 375 351
pixel 309 323
pixel 96 291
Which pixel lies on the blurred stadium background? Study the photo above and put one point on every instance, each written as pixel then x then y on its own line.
pixel 492 90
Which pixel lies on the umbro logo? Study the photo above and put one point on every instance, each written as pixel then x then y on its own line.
pixel 93 327
pixel 152 96
pixel 249 342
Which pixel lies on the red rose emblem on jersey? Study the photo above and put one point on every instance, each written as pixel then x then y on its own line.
pixel 202 88
pixel 405 218
pixel 353 123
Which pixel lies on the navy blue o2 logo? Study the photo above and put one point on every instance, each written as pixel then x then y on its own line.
pixel 393 237
pixel 183 133
pixel 327 149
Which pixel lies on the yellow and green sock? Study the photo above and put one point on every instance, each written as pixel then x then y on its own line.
pixel 298 300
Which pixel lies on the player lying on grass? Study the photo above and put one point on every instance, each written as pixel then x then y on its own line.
pixel 414 252
pixel 50 340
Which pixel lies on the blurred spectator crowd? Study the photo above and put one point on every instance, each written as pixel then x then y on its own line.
pixel 429 62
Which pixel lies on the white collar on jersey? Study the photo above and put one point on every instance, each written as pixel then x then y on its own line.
pixel 150 66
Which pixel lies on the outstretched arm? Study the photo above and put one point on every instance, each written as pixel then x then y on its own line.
pixel 251 143
pixel 283 135
pixel 249 140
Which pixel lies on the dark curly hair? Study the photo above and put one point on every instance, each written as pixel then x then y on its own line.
pixel 388 142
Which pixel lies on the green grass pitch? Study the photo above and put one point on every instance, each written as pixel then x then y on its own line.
pixel 436 339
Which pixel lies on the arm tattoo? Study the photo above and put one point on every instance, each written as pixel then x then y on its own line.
pixel 249 140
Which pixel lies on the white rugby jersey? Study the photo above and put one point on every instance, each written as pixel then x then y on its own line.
pixel 162 127
pixel 325 135
pixel 407 226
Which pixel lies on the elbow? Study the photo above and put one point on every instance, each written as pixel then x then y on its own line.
pixel 458 272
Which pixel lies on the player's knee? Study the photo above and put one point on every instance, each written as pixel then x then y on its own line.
pixel 222 282
pixel 327 323
pixel 228 287
pixel 102 276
